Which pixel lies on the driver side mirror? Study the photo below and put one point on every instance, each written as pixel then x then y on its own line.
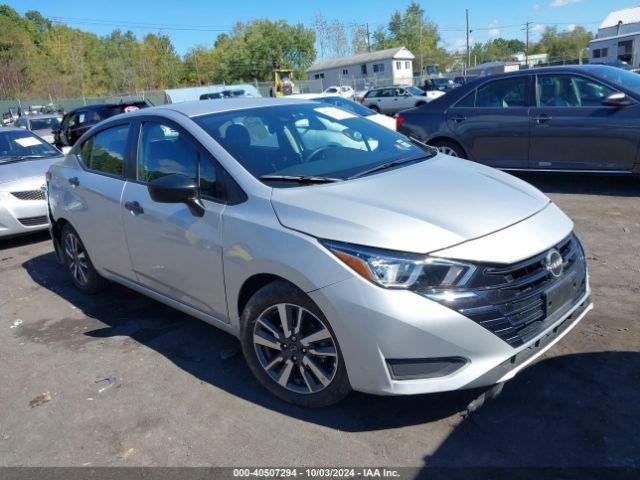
pixel 618 99
pixel 177 188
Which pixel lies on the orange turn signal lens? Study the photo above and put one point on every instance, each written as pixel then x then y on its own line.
pixel 355 263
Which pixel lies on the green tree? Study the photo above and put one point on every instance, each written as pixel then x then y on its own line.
pixel 564 46
pixel 415 31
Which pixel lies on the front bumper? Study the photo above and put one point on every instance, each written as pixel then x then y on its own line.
pixel 374 325
pixel 18 217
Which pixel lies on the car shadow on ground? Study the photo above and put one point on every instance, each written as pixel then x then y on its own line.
pixel 583 183
pixel 577 410
pixel 24 240
pixel 547 396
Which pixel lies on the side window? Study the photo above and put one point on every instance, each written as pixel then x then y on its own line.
pixel 105 151
pixel 569 91
pixel 72 121
pixel 373 94
pixel 162 151
pixel 590 93
pixel 505 93
pixel 468 101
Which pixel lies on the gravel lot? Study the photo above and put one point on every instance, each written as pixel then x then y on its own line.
pixel 183 395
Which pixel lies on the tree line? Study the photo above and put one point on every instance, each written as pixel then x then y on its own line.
pixel 40 58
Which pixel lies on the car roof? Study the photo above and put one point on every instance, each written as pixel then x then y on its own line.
pixel 199 107
pixel 311 96
pixel 550 69
pixel 100 106
pixel 13 129
pixel 44 115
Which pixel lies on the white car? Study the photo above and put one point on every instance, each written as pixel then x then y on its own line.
pixel 24 161
pixel 391 100
pixel 350 106
pixel 344 91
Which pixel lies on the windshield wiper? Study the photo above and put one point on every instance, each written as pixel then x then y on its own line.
pixel 305 179
pixel 386 165
pixel 427 148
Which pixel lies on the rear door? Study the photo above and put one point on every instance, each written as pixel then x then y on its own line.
pixel 174 252
pixel 572 130
pixel 492 122
pixel 93 198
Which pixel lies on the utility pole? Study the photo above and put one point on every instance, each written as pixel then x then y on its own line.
pixel 368 38
pixel 527 27
pixel 420 43
pixel 466 12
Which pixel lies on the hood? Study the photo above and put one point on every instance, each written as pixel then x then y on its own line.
pixel 383 120
pixel 16 171
pixel 418 208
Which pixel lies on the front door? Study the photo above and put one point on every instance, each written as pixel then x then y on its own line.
pixel 493 126
pixel 572 130
pixel 173 251
pixel 93 198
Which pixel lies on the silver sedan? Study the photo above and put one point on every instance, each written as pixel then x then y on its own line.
pixel 24 161
pixel 342 254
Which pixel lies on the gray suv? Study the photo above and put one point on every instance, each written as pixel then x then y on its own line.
pixel 342 254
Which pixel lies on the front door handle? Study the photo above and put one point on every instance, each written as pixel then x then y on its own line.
pixel 459 118
pixel 134 207
pixel 542 118
pixel 73 181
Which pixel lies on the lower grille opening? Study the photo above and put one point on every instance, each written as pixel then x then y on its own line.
pixel 416 368
pixel 33 221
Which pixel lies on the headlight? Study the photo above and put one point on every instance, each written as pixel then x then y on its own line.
pixel 402 270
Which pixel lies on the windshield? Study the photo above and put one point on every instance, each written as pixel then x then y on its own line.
pixel 44 123
pixel 347 105
pixel 623 78
pixel 22 145
pixel 414 90
pixel 306 140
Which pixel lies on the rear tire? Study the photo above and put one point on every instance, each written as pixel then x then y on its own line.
pixel 299 361
pixel 450 148
pixel 84 275
pixel 375 108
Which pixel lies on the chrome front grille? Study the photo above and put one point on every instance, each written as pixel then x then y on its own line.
pixel 513 301
pixel 29 195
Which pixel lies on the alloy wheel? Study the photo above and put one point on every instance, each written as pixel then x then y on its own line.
pixel 447 151
pixel 76 258
pixel 295 348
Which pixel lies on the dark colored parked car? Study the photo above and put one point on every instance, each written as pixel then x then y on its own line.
pixel 78 121
pixel 571 118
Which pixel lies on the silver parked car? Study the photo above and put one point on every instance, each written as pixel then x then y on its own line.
pixel 391 100
pixel 343 255
pixel 43 124
pixel 24 161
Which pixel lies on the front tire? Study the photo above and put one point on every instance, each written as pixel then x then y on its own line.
pixel 291 348
pixel 84 275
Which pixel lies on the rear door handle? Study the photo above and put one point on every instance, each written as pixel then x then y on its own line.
pixel 542 118
pixel 459 118
pixel 134 207
pixel 73 181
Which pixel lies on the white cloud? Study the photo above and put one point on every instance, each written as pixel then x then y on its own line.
pixel 570 28
pixel 536 7
pixel 563 3
pixel 537 27
pixel 494 31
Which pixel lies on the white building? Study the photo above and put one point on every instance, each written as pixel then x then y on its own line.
pixel 618 38
pixel 531 60
pixel 394 66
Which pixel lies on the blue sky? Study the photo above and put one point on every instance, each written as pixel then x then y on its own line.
pixel 198 22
